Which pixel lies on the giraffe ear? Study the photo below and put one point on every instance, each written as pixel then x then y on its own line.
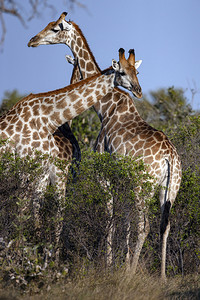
pixel 138 63
pixel 115 65
pixel 66 25
pixel 63 25
pixel 70 59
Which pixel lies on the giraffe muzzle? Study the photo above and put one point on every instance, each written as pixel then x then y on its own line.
pixel 33 42
pixel 136 91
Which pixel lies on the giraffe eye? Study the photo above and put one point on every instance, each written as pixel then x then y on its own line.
pixel 61 26
pixel 122 73
pixel 54 30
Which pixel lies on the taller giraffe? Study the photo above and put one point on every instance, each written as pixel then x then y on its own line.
pixel 123 130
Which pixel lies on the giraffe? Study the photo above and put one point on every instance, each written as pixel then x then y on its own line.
pixel 31 123
pixel 123 130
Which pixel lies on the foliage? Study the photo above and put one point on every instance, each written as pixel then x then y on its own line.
pixel 184 239
pixel 9 100
pixel 86 128
pixel 25 258
pixel 186 138
pixel 88 218
pixel 28 263
pixel 166 108
pixel 20 258
pixel 187 232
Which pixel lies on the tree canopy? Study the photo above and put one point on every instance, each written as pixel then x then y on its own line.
pixel 9 99
pixel 165 108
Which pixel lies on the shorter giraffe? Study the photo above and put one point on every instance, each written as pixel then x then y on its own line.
pixel 31 123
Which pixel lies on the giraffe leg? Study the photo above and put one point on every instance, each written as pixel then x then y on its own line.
pixel 58 179
pixel 110 225
pixel 143 230
pixel 127 259
pixel 37 198
pixel 58 231
pixel 111 229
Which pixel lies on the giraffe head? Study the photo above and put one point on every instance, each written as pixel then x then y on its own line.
pixel 53 33
pixel 126 72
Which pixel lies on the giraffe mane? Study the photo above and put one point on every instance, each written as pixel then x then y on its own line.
pixel 86 44
pixel 61 90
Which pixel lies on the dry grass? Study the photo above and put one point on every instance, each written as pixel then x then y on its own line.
pixel 115 286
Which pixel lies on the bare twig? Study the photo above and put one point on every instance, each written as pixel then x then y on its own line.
pixel 14 8
pixel 3 29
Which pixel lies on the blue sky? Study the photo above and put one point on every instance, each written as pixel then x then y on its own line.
pixel 164 34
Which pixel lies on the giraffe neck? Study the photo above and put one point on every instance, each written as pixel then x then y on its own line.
pixel 89 67
pixel 52 109
pixel 81 51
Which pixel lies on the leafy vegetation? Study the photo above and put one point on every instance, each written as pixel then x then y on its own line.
pixel 27 264
pixel 166 108
pixel 86 128
pixel 9 100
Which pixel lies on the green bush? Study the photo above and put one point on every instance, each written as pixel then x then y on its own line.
pixel 9 100
pixel 183 255
pixel 165 108
pixel 87 219
pixel 20 258
pixel 86 216
pixel 86 128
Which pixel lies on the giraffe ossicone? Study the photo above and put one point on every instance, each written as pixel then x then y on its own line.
pixel 71 60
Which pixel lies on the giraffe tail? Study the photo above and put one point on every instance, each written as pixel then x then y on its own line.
pixel 167 203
